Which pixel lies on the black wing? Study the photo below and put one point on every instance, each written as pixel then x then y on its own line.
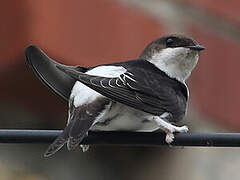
pixel 45 69
pixel 142 87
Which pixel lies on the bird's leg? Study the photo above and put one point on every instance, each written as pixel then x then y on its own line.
pixel 168 128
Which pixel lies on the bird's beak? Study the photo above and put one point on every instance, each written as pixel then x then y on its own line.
pixel 196 47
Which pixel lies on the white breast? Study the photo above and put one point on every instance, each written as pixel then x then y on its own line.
pixel 125 118
pixel 176 62
pixel 82 94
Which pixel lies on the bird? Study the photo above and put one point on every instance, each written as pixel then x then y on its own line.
pixel 145 94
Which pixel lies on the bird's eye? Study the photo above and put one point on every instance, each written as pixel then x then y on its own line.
pixel 169 41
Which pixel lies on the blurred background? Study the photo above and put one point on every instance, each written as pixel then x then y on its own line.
pixel 100 31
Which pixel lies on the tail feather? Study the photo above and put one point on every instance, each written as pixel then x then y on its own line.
pixel 58 142
pixel 78 131
pixel 81 120
pixel 55 146
pixel 73 134
pixel 73 142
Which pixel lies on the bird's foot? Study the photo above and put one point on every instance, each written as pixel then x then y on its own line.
pixel 169 132
pixel 168 128
pixel 84 147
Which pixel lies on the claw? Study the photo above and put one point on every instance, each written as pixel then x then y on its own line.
pixel 169 138
pixel 84 147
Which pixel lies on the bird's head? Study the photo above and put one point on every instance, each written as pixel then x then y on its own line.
pixel 176 55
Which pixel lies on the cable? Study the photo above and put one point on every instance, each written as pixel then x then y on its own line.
pixel 125 138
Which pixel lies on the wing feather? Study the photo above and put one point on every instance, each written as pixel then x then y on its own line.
pixel 151 90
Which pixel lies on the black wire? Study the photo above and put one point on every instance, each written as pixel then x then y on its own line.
pixel 125 138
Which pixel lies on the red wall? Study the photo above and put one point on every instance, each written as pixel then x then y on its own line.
pixel 100 31
pixel 77 32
